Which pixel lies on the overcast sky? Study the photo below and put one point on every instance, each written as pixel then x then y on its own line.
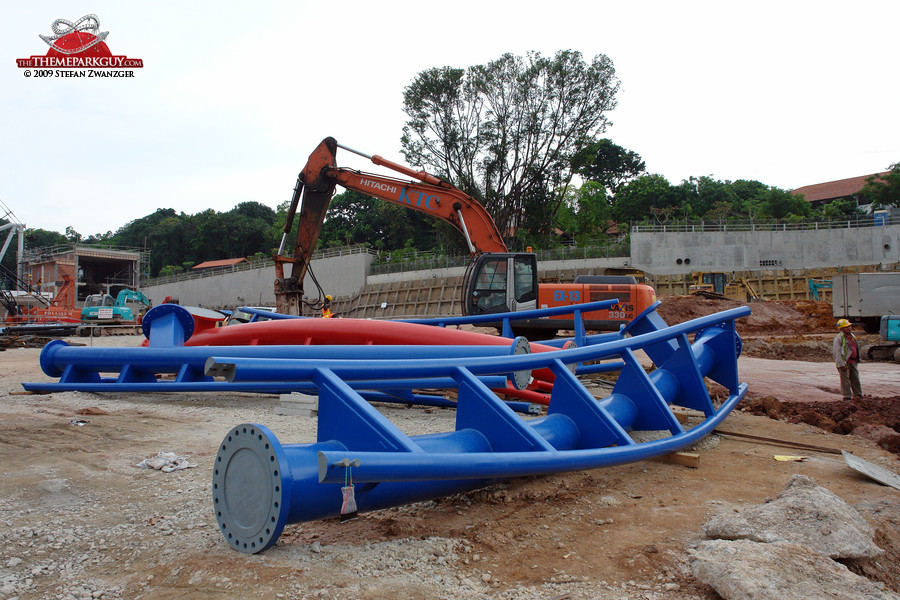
pixel 234 96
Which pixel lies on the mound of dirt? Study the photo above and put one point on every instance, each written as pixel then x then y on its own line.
pixel 769 317
pixel 790 348
pixel 876 419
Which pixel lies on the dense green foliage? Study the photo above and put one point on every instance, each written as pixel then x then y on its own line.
pixel 608 164
pixel 178 241
pixel 883 192
pixel 703 198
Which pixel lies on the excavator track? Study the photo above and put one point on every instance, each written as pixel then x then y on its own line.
pixel 102 330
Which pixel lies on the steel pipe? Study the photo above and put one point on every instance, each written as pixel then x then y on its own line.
pixel 78 363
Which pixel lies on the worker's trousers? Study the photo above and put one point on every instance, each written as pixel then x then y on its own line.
pixel 850 382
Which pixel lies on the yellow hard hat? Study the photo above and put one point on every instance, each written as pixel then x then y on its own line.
pixel 843 323
pixel 329 298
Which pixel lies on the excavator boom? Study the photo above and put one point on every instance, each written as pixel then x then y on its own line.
pixel 448 204
pixel 316 185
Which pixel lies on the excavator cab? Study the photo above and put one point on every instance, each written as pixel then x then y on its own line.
pixel 709 282
pixel 501 282
pixel 99 300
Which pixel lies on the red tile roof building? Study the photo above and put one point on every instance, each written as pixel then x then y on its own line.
pixel 822 193
pixel 212 264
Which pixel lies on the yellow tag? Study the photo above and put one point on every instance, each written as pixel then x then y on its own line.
pixel 787 458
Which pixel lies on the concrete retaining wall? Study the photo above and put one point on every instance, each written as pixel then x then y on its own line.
pixel 683 252
pixel 338 276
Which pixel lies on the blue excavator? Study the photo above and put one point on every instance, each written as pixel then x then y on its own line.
pixel 104 315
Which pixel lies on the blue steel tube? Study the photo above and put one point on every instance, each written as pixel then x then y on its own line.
pixel 106 385
pixel 57 355
pixel 260 485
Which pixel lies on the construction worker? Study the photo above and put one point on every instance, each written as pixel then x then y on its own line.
pixel 846 357
pixel 326 308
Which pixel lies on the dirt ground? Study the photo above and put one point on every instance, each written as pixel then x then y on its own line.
pixel 79 519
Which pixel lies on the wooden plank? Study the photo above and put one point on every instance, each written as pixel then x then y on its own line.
pixel 777 442
pixel 879 474
pixel 685 459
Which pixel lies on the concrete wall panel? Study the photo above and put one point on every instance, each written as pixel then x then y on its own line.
pixel 338 276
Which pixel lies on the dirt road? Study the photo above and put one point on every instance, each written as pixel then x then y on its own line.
pixel 79 519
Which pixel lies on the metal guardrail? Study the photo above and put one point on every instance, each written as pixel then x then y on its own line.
pixel 420 261
pixel 618 249
pixel 189 275
pixel 424 261
pixel 767 225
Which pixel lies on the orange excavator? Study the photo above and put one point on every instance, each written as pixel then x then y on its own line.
pixel 496 280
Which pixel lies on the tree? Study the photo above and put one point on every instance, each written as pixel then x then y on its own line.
pixel 882 191
pixel 637 197
pixel 720 212
pixel 167 242
pixel 134 233
pixel 841 209
pixel 177 238
pixel 780 204
pixel 749 197
pixel 505 132
pixel 72 235
pixel 249 228
pixel 40 238
pixel 206 237
pixel 662 215
pixel 99 238
pixel 585 213
pixel 698 195
pixel 608 164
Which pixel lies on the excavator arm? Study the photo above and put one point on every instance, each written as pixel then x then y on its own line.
pixel 316 185
pixel 125 295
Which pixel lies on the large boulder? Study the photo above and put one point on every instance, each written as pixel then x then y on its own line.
pixel 746 570
pixel 804 513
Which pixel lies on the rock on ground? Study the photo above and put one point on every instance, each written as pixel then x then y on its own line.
pixel 746 570
pixel 804 513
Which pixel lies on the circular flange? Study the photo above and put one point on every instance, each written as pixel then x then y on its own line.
pixel 249 495
pixel 521 379
pixel 182 315
pixel 568 345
